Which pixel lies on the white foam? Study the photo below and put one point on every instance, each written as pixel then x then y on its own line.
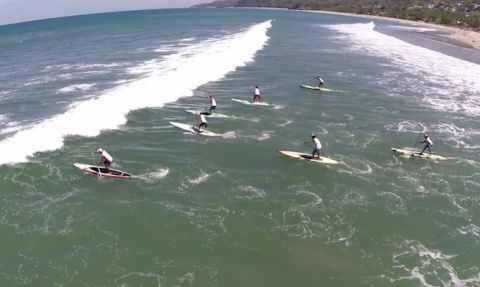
pixel 189 182
pixel 229 135
pixel 407 126
pixel 4 94
pixel 124 81
pixel 187 39
pixel 165 48
pixel 412 28
pixel 264 136
pixel 173 77
pixel 286 123
pixel 365 168
pixel 250 192
pixel 458 137
pixel 82 66
pixel 46 78
pixel 73 88
pixel 155 175
pixel 316 199
pixel 427 266
pixel 10 127
pixel 244 118
pixel 445 88
pixel 201 178
pixel 471 229
pixel 3 118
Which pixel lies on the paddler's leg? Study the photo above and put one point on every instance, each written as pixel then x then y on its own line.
pixel 315 152
pixel 107 165
pixel 424 148
pixel 202 125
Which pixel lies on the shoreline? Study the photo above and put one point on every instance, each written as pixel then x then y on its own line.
pixel 451 35
pixel 457 36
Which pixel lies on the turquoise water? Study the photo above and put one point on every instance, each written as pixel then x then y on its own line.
pixel 230 210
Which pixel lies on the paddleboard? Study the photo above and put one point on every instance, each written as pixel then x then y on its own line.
pixel 317 88
pixel 102 171
pixel 416 153
pixel 193 129
pixel 212 115
pixel 251 103
pixel 308 157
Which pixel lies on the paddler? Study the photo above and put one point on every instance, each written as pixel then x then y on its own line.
pixel 317 146
pixel 105 158
pixel 428 144
pixel 256 94
pixel 320 81
pixel 213 106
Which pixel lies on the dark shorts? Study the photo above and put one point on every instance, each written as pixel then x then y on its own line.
pixel 107 163
pixel 316 151
pixel 213 108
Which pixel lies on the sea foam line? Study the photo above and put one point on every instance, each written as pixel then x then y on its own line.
pixel 175 76
pixel 74 88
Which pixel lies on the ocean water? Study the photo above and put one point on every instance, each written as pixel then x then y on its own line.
pixel 230 210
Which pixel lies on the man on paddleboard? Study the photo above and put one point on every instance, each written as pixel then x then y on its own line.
pixel 105 158
pixel 320 81
pixel 317 146
pixel 213 106
pixel 256 94
pixel 428 144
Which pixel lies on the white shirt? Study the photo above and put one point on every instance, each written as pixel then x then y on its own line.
pixel 257 92
pixel 213 102
pixel 107 156
pixel 317 143
pixel 202 118
pixel 429 141
pixel 320 79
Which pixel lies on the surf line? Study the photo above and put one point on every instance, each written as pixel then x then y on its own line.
pixel 88 118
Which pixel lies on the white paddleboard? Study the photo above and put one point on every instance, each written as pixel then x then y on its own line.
pixel 193 129
pixel 212 115
pixel 416 153
pixel 308 157
pixel 102 171
pixel 316 88
pixel 248 103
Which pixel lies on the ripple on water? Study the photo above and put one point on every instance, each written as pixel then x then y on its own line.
pixel 426 266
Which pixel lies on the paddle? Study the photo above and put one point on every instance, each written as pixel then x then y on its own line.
pixel 93 156
pixel 417 141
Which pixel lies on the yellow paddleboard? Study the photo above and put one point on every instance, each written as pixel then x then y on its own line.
pixel 308 157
